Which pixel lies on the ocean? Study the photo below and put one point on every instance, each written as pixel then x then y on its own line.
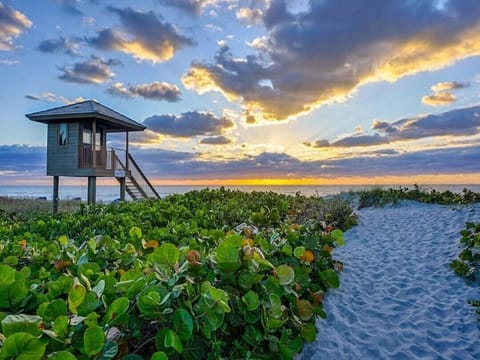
pixel 108 193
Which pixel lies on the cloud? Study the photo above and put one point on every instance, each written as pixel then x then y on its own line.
pixel 154 91
pixel 12 24
pixel 192 7
pixel 92 71
pixel 173 165
pixel 8 62
pixel 70 7
pixel 143 35
pixel 52 98
pixel 325 52
pixel 458 122
pixel 23 159
pixel 439 99
pixel 216 140
pixel 189 124
pixel 61 45
pixel 448 85
pixel 351 141
pixel 250 16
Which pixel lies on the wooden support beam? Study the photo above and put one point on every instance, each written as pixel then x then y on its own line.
pixel 122 188
pixel 92 190
pixel 94 143
pixel 126 150
pixel 55 195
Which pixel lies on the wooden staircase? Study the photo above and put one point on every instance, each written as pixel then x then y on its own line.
pixel 136 183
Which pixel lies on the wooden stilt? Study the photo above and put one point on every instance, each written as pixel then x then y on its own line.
pixel 55 195
pixel 122 188
pixel 92 189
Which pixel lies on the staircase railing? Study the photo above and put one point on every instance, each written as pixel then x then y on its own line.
pixel 136 176
pixel 140 178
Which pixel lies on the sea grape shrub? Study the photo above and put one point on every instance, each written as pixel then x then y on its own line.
pixel 468 263
pixel 205 275
pixel 380 197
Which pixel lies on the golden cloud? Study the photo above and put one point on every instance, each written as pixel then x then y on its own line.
pixel 439 99
pixel 301 82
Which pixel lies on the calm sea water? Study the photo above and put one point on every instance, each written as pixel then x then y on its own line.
pixel 108 193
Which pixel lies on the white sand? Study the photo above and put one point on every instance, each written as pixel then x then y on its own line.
pixel 398 299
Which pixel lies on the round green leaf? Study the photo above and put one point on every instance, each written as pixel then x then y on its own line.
pixel 309 332
pixel 251 300
pixel 76 296
pixel 228 257
pixel 338 237
pixel 61 355
pixel 21 323
pixel 173 340
pixel 167 254
pixel 330 277
pixel 116 309
pixel 93 340
pixel 183 324
pixel 286 275
pixel 299 250
pixel 305 309
pixel 159 355
pixel 23 346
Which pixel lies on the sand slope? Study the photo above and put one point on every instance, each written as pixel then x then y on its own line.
pixel 398 299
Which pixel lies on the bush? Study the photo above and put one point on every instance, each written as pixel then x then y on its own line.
pixel 205 275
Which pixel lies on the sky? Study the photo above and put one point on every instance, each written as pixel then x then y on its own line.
pixel 253 92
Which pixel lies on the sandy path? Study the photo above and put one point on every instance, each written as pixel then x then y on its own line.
pixel 398 299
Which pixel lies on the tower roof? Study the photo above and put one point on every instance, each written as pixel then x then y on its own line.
pixel 114 121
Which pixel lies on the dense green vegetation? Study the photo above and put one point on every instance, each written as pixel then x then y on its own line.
pixel 205 275
pixel 468 263
pixel 381 197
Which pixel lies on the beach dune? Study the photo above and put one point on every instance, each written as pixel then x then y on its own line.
pixel 398 298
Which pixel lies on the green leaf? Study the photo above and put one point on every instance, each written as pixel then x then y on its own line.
pixel 135 233
pixel 228 257
pixel 116 309
pixel 173 340
pixel 330 277
pixel 309 332
pixel 338 237
pixel 21 323
pixel 299 250
pixel 61 355
pixel 60 325
pixel 286 275
pixel 305 309
pixel 251 300
pixel 76 296
pixel 159 355
pixel 7 275
pixel 167 254
pixel 287 249
pixel 89 304
pixel 93 340
pixel 183 324
pixel 54 309
pixel 15 293
pixel 63 240
pixel 23 346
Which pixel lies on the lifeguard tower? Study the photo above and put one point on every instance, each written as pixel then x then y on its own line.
pixel 76 146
